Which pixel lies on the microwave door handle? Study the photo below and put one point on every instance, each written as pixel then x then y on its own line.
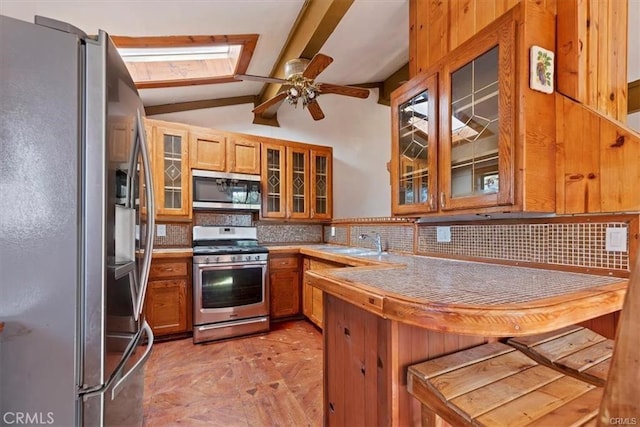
pixel 151 223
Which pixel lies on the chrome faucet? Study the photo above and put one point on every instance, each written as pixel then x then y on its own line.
pixel 376 238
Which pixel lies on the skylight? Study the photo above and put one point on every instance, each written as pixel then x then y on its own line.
pixel 185 60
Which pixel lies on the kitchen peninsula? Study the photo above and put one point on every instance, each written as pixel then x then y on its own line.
pixel 399 310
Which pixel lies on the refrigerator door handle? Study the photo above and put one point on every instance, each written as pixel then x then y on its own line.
pixel 151 209
pixel 143 359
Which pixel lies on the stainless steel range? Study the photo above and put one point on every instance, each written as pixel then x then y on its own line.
pixel 230 294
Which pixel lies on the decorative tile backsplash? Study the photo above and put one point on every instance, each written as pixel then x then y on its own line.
pixel 178 235
pixel 289 233
pixel 394 237
pixel 341 237
pixel 570 244
pixel 215 218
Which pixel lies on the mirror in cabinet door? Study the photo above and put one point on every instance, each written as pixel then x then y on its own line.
pixel 414 150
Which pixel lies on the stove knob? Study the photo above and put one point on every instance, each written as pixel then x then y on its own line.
pixel 233 258
pixel 257 257
pixel 248 257
pixel 217 259
pixel 206 260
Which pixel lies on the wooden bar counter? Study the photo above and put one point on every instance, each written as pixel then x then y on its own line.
pixel 400 310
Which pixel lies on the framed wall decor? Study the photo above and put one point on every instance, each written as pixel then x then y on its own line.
pixel 541 69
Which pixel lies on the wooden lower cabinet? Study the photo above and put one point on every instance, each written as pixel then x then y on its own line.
pixel 312 298
pixel 366 359
pixel 284 286
pixel 168 304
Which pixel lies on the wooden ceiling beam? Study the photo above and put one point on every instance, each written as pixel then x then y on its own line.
pixel 315 23
pixel 198 105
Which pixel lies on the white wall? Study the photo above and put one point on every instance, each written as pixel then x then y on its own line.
pixel 358 130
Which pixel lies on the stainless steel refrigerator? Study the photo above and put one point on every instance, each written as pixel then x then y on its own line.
pixel 76 229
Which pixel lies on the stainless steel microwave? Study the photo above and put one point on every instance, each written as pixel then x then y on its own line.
pixel 219 190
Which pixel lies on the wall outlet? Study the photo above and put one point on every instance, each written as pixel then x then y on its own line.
pixel 443 234
pixel 161 230
pixel 333 232
pixel 616 239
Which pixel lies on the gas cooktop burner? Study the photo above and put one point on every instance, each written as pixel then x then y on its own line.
pixel 213 244
pixel 231 249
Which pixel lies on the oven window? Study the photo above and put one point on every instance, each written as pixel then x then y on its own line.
pixel 227 288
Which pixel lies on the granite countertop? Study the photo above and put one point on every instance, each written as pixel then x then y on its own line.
pixel 468 297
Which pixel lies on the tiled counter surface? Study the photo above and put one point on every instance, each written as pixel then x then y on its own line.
pixel 468 297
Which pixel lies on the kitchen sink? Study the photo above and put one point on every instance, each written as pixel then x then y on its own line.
pixel 353 251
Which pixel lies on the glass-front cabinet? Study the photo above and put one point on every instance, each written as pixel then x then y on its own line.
pixel 477 135
pixel 321 183
pixel 297 181
pixel 274 203
pixel 171 171
pixel 414 151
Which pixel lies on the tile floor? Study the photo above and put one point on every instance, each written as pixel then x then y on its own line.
pixel 266 380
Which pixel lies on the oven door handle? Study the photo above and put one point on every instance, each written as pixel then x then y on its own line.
pixel 236 323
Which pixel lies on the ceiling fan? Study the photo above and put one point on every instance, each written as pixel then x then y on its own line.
pixel 299 85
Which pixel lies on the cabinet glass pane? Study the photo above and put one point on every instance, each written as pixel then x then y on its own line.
pixel 172 171
pixel 414 150
pixel 321 184
pixel 274 181
pixel 298 182
pixel 474 127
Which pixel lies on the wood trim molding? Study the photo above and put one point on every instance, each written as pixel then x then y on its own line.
pixel 633 100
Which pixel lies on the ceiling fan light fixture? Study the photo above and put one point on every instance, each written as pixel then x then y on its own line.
pixel 301 89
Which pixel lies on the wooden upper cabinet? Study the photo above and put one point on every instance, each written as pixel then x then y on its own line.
pixel 273 177
pixel 297 168
pixel 207 150
pixel 297 181
pixel 495 135
pixel 414 150
pixel 243 155
pixel 478 122
pixel 170 171
pixel 321 184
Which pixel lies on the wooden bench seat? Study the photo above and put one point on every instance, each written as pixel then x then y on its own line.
pixel 498 384
pixel 495 384
pixel 575 350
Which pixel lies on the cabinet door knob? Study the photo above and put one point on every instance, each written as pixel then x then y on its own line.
pixel 442 199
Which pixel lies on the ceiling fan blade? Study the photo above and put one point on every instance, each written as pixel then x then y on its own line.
pixel 356 92
pixel 315 110
pixel 269 108
pixel 316 66
pixel 259 78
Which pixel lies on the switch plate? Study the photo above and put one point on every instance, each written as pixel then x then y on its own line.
pixel 333 231
pixel 161 230
pixel 616 239
pixel 443 234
